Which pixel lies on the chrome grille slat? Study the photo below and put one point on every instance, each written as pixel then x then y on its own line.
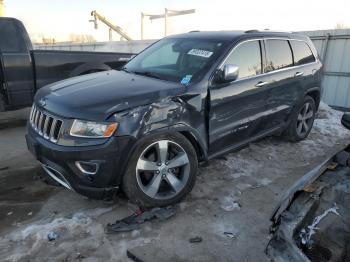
pixel 40 123
pixel 53 127
pixel 37 119
pixel 45 124
pixel 31 113
pixel 33 116
pixel 45 127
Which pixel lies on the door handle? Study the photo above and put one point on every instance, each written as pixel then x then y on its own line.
pixel 299 73
pixel 261 83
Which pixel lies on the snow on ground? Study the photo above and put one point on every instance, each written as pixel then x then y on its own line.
pixel 219 204
pixel 76 236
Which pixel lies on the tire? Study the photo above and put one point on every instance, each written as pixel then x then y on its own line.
pixel 172 175
pixel 302 120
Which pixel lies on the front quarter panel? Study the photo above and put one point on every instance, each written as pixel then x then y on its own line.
pixel 180 113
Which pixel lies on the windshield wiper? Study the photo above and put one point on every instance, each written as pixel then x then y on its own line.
pixel 145 73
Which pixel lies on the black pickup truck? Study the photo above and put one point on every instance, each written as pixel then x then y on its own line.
pixel 24 70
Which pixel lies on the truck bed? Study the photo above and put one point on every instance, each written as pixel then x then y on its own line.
pixel 54 65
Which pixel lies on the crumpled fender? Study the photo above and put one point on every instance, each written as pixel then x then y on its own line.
pixel 179 114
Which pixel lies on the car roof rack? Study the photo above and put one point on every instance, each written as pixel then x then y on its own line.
pixel 194 31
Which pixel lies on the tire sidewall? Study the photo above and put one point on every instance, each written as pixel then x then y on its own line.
pixel 292 130
pixel 130 185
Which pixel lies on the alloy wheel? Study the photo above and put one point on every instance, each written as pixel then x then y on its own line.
pixel 163 169
pixel 305 119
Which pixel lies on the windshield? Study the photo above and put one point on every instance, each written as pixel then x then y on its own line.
pixel 179 60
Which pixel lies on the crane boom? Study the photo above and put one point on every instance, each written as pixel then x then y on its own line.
pixel 171 13
pixel 117 29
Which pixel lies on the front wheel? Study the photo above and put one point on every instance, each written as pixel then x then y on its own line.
pixel 302 120
pixel 161 171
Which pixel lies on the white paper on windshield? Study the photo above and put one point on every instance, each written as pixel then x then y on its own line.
pixel 199 52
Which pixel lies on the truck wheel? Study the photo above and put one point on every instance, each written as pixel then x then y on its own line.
pixel 161 170
pixel 302 120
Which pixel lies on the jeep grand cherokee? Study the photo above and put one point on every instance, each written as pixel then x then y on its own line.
pixel 185 99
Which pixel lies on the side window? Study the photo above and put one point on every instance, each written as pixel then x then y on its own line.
pixel 10 39
pixel 247 56
pixel 302 53
pixel 279 54
pixel 164 56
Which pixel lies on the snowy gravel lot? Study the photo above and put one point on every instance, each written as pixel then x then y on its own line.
pixel 229 207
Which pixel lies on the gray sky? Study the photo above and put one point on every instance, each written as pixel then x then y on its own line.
pixel 58 18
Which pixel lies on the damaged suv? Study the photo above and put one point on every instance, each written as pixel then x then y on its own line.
pixel 185 99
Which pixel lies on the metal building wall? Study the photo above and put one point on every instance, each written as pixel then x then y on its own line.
pixel 333 47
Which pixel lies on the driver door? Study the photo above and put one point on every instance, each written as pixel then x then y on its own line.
pixel 236 108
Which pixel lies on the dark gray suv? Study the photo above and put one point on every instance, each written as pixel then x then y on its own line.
pixel 185 99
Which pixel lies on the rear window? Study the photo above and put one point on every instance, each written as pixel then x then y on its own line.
pixel 279 54
pixel 302 53
pixel 10 39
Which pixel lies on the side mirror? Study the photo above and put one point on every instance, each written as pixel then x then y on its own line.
pixel 228 73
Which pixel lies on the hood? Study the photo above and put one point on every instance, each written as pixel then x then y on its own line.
pixel 97 96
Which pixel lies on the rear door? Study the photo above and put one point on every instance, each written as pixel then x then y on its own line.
pixel 284 86
pixel 17 66
pixel 307 69
pixel 236 108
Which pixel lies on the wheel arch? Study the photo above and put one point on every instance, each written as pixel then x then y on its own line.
pixel 187 132
pixel 201 154
pixel 315 93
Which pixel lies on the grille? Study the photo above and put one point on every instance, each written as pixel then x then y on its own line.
pixel 45 125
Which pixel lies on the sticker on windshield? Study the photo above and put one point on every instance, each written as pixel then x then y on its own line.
pixel 199 52
pixel 186 80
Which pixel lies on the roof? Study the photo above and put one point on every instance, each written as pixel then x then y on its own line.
pixel 232 35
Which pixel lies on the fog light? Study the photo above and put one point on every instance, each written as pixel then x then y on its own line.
pixel 87 168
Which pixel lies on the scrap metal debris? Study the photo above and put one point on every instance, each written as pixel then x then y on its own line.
pixel 133 222
pixel 297 231
pixel 306 233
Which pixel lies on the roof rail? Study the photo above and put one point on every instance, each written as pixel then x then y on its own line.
pixel 194 31
pixel 252 31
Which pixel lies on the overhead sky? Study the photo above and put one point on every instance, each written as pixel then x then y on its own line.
pixel 59 18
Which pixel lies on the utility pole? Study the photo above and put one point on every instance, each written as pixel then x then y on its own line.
pixel 165 22
pixel 2 8
pixel 142 18
pixel 167 13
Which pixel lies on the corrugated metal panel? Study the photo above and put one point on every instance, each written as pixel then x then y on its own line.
pixel 336 60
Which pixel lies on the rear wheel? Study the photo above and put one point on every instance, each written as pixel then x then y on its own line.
pixel 302 120
pixel 161 171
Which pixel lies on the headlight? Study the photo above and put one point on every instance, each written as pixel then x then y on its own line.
pixel 89 129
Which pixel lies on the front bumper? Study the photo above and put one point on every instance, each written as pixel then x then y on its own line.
pixel 60 163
